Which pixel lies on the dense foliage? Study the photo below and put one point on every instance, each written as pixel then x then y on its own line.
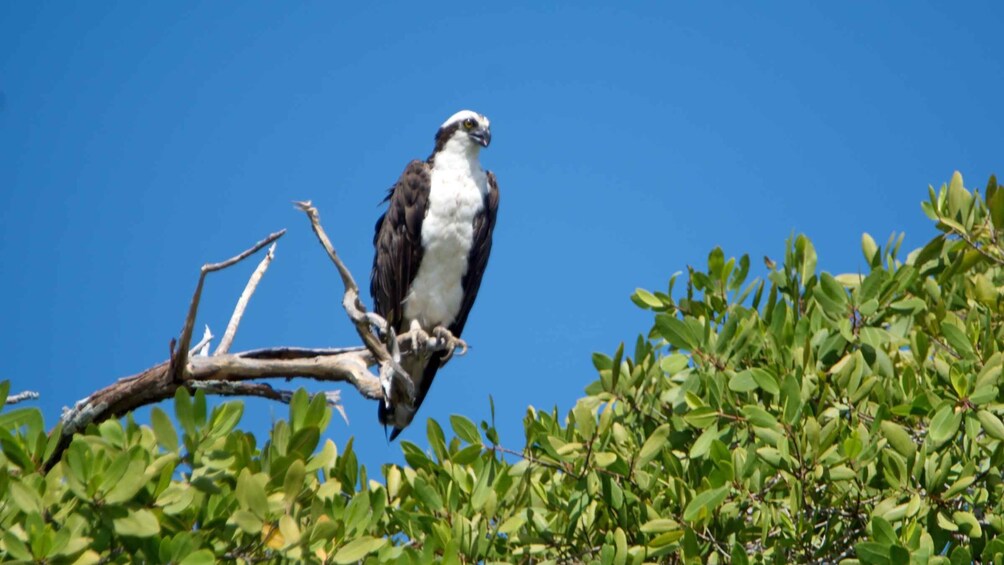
pixel 804 417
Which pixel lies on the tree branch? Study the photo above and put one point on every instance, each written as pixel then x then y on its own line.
pixel 21 397
pixel 228 374
pixel 242 302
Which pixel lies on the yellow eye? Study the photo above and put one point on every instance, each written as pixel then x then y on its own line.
pixel 469 124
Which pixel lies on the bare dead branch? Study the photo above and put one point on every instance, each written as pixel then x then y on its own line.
pixel 350 301
pixel 155 384
pixel 180 353
pixel 21 397
pixel 333 398
pixel 242 302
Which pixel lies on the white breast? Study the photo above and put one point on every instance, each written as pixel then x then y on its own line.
pixel 456 196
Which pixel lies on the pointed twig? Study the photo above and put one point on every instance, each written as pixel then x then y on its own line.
pixel 203 346
pixel 242 302
pixel 21 397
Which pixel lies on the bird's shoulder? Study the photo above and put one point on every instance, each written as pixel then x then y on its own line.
pixel 412 185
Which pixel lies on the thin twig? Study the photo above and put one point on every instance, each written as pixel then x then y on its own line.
pixel 333 398
pixel 242 302
pixel 203 345
pixel 179 358
pixel 21 397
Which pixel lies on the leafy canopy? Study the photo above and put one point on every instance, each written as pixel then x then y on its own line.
pixel 805 417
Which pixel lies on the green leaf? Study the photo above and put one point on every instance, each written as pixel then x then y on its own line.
pixel 225 418
pixel 674 363
pixel 292 484
pixel 653 445
pixel 16 548
pixel 957 339
pixel 991 424
pixel 251 495
pixel 743 382
pixel 899 439
pixel 25 498
pixel 983 395
pixel 944 425
pixel 247 522
pixel 871 250
pixel 909 305
pixel 882 531
pixel 29 418
pixel 702 417
pixel 131 482
pixel 807 267
pixel 872 553
pixel 760 417
pixel 200 557
pixel 995 201
pixel 968 524
pixel 644 298
pixel 512 524
pixel 766 380
pixel 163 429
pixel 183 410
pixel 659 525
pixel 358 548
pixel 705 503
pixel 304 442
pixel 675 331
pixel 465 429
pixel 140 523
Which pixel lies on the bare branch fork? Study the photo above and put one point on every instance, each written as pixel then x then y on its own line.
pixel 230 374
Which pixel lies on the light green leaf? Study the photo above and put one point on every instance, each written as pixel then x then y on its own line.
pixel 140 523
pixel 968 524
pixel 899 438
pixel 293 483
pixel 957 339
pixel 358 548
pixel 675 331
pixel 25 498
pixel 743 382
pixel 659 525
pixel 944 425
pixel 512 524
pixel 200 557
pixel 760 417
pixel 705 503
pixel 163 429
pixel 653 445
pixel 991 424
pixel 465 429
pixel 870 249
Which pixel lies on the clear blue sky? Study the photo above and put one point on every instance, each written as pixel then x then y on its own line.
pixel 139 141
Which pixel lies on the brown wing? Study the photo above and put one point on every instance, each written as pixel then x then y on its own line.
pixel 398 243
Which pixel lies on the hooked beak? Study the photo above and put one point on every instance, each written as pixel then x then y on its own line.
pixel 481 135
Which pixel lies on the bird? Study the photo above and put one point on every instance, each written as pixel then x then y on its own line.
pixel 431 248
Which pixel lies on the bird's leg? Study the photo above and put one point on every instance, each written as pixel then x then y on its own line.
pixel 419 337
pixel 444 335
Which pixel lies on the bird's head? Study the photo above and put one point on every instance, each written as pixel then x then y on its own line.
pixel 469 129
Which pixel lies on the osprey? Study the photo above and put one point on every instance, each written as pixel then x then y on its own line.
pixel 432 246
